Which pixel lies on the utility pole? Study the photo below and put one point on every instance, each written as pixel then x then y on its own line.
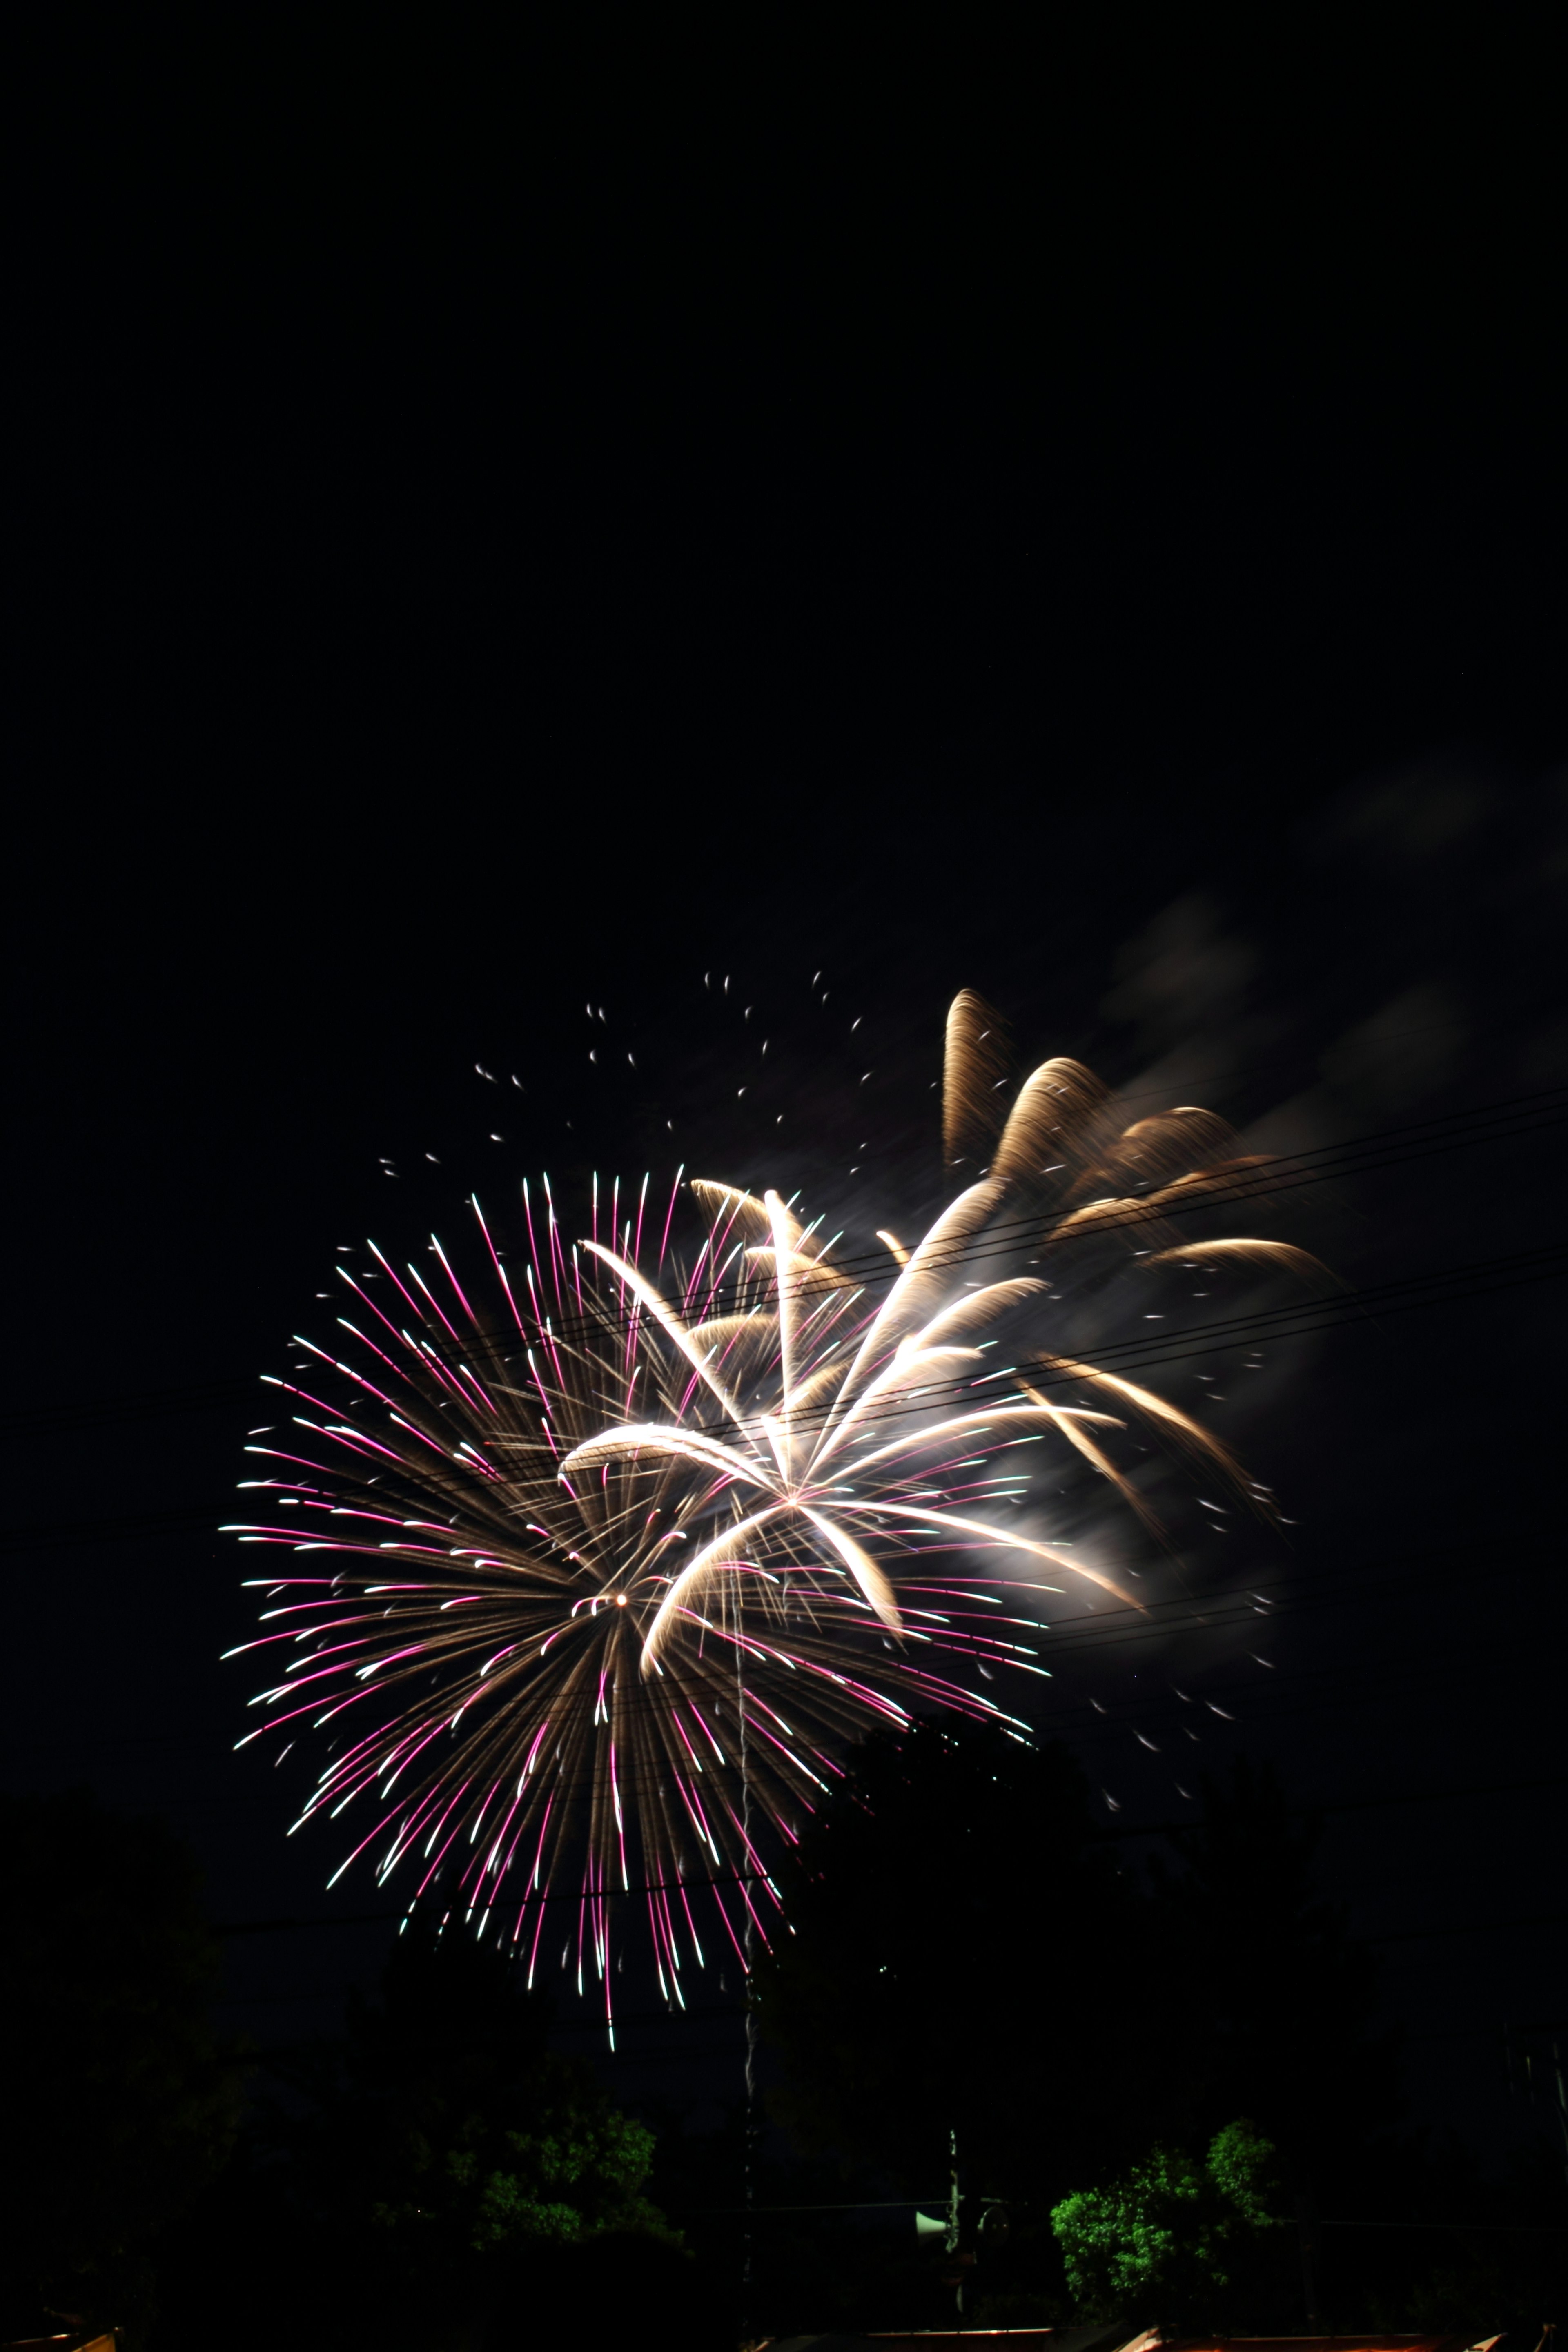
pixel 752 2127
pixel 953 2241
pixel 1308 2237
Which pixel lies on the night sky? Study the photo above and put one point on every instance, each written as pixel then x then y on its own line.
pixel 493 535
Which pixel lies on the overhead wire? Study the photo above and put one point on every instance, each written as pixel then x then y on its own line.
pixel 1440 1287
pixel 1501 1122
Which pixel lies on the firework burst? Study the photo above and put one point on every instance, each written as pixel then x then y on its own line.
pixel 619 1552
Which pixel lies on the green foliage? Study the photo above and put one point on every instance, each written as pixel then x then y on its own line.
pixel 118 2101
pixel 1240 2166
pixel 490 2186
pixel 1166 2232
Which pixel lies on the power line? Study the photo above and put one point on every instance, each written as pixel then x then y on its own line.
pixel 902 2204
pixel 1511 2229
pixel 1443 1285
pixel 841 2205
pixel 1302 1589
pixel 1467 1927
pixel 1501 1122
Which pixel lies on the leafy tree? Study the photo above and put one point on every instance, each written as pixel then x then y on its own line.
pixel 489 2186
pixel 961 1958
pixel 1164 2236
pixel 118 2102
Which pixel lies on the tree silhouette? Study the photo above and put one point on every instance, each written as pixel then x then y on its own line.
pixel 439 2176
pixel 117 2103
pixel 1278 2000
pixel 963 1959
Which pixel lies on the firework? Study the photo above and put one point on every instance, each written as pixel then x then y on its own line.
pixel 618 1552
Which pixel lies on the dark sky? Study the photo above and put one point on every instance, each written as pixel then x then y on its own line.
pixel 494 531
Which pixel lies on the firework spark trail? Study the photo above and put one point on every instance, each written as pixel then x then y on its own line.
pixel 617 1577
